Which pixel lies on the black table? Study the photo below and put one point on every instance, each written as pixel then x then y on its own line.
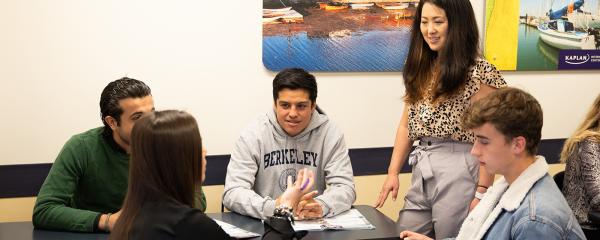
pixel 25 231
pixel 385 228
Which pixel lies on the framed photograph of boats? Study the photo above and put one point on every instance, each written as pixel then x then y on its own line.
pixel 539 35
pixel 337 35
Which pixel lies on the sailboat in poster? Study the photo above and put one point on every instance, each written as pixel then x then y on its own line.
pixel 563 34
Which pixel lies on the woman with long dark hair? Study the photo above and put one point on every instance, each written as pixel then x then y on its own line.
pixel 444 73
pixel 581 185
pixel 167 165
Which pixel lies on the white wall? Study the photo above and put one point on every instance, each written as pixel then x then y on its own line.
pixel 200 56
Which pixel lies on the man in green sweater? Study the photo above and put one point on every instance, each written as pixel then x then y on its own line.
pixel 87 183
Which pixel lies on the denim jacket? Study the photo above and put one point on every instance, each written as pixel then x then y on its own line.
pixel 532 207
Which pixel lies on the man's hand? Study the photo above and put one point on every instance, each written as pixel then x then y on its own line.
pixel 308 207
pixel 408 235
pixel 298 190
pixel 111 221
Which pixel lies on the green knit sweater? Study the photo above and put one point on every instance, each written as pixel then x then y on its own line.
pixel 88 178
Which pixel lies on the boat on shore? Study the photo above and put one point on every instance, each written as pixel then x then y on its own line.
pixel 394 6
pixel 562 35
pixel 290 16
pixel 330 7
pixel 273 14
pixel 361 5
pixel 272 10
pixel 414 3
pixel 270 19
pixel 279 15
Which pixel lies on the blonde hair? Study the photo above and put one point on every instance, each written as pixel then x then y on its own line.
pixel 589 128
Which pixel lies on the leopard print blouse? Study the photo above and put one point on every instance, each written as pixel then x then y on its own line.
pixel 581 185
pixel 443 119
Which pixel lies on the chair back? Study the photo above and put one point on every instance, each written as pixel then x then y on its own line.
pixel 558 179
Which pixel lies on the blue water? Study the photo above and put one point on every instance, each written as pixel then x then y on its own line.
pixel 533 53
pixel 369 51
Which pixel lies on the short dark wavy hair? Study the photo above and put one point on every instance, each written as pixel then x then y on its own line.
pixel 116 91
pixel 295 78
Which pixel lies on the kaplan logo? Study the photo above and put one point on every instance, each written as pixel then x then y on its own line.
pixel 577 59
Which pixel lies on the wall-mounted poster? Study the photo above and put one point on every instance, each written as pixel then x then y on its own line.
pixel 543 34
pixel 336 36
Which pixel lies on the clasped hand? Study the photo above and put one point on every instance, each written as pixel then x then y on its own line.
pixel 298 197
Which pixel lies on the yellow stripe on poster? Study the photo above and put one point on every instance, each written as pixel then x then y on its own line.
pixel 502 36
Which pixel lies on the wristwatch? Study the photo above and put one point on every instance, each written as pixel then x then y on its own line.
pixel 283 211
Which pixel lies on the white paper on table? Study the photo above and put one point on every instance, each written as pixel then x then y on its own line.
pixel 234 231
pixel 349 220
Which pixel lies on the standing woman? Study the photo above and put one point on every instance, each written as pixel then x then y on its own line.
pixel 581 185
pixel 443 74
pixel 167 164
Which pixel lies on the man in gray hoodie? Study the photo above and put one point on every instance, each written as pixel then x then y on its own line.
pixel 296 134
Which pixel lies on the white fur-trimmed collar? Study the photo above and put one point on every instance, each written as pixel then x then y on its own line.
pixel 501 196
pixel 514 195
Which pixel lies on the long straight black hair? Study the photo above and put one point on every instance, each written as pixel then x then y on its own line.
pixel 455 58
pixel 166 164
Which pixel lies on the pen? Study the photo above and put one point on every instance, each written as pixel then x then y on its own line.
pixel 304 184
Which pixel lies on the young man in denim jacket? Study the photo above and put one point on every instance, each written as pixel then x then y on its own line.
pixel 524 203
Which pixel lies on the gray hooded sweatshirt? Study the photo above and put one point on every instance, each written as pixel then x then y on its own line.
pixel 265 155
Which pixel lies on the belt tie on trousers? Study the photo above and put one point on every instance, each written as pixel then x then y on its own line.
pixel 422 156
